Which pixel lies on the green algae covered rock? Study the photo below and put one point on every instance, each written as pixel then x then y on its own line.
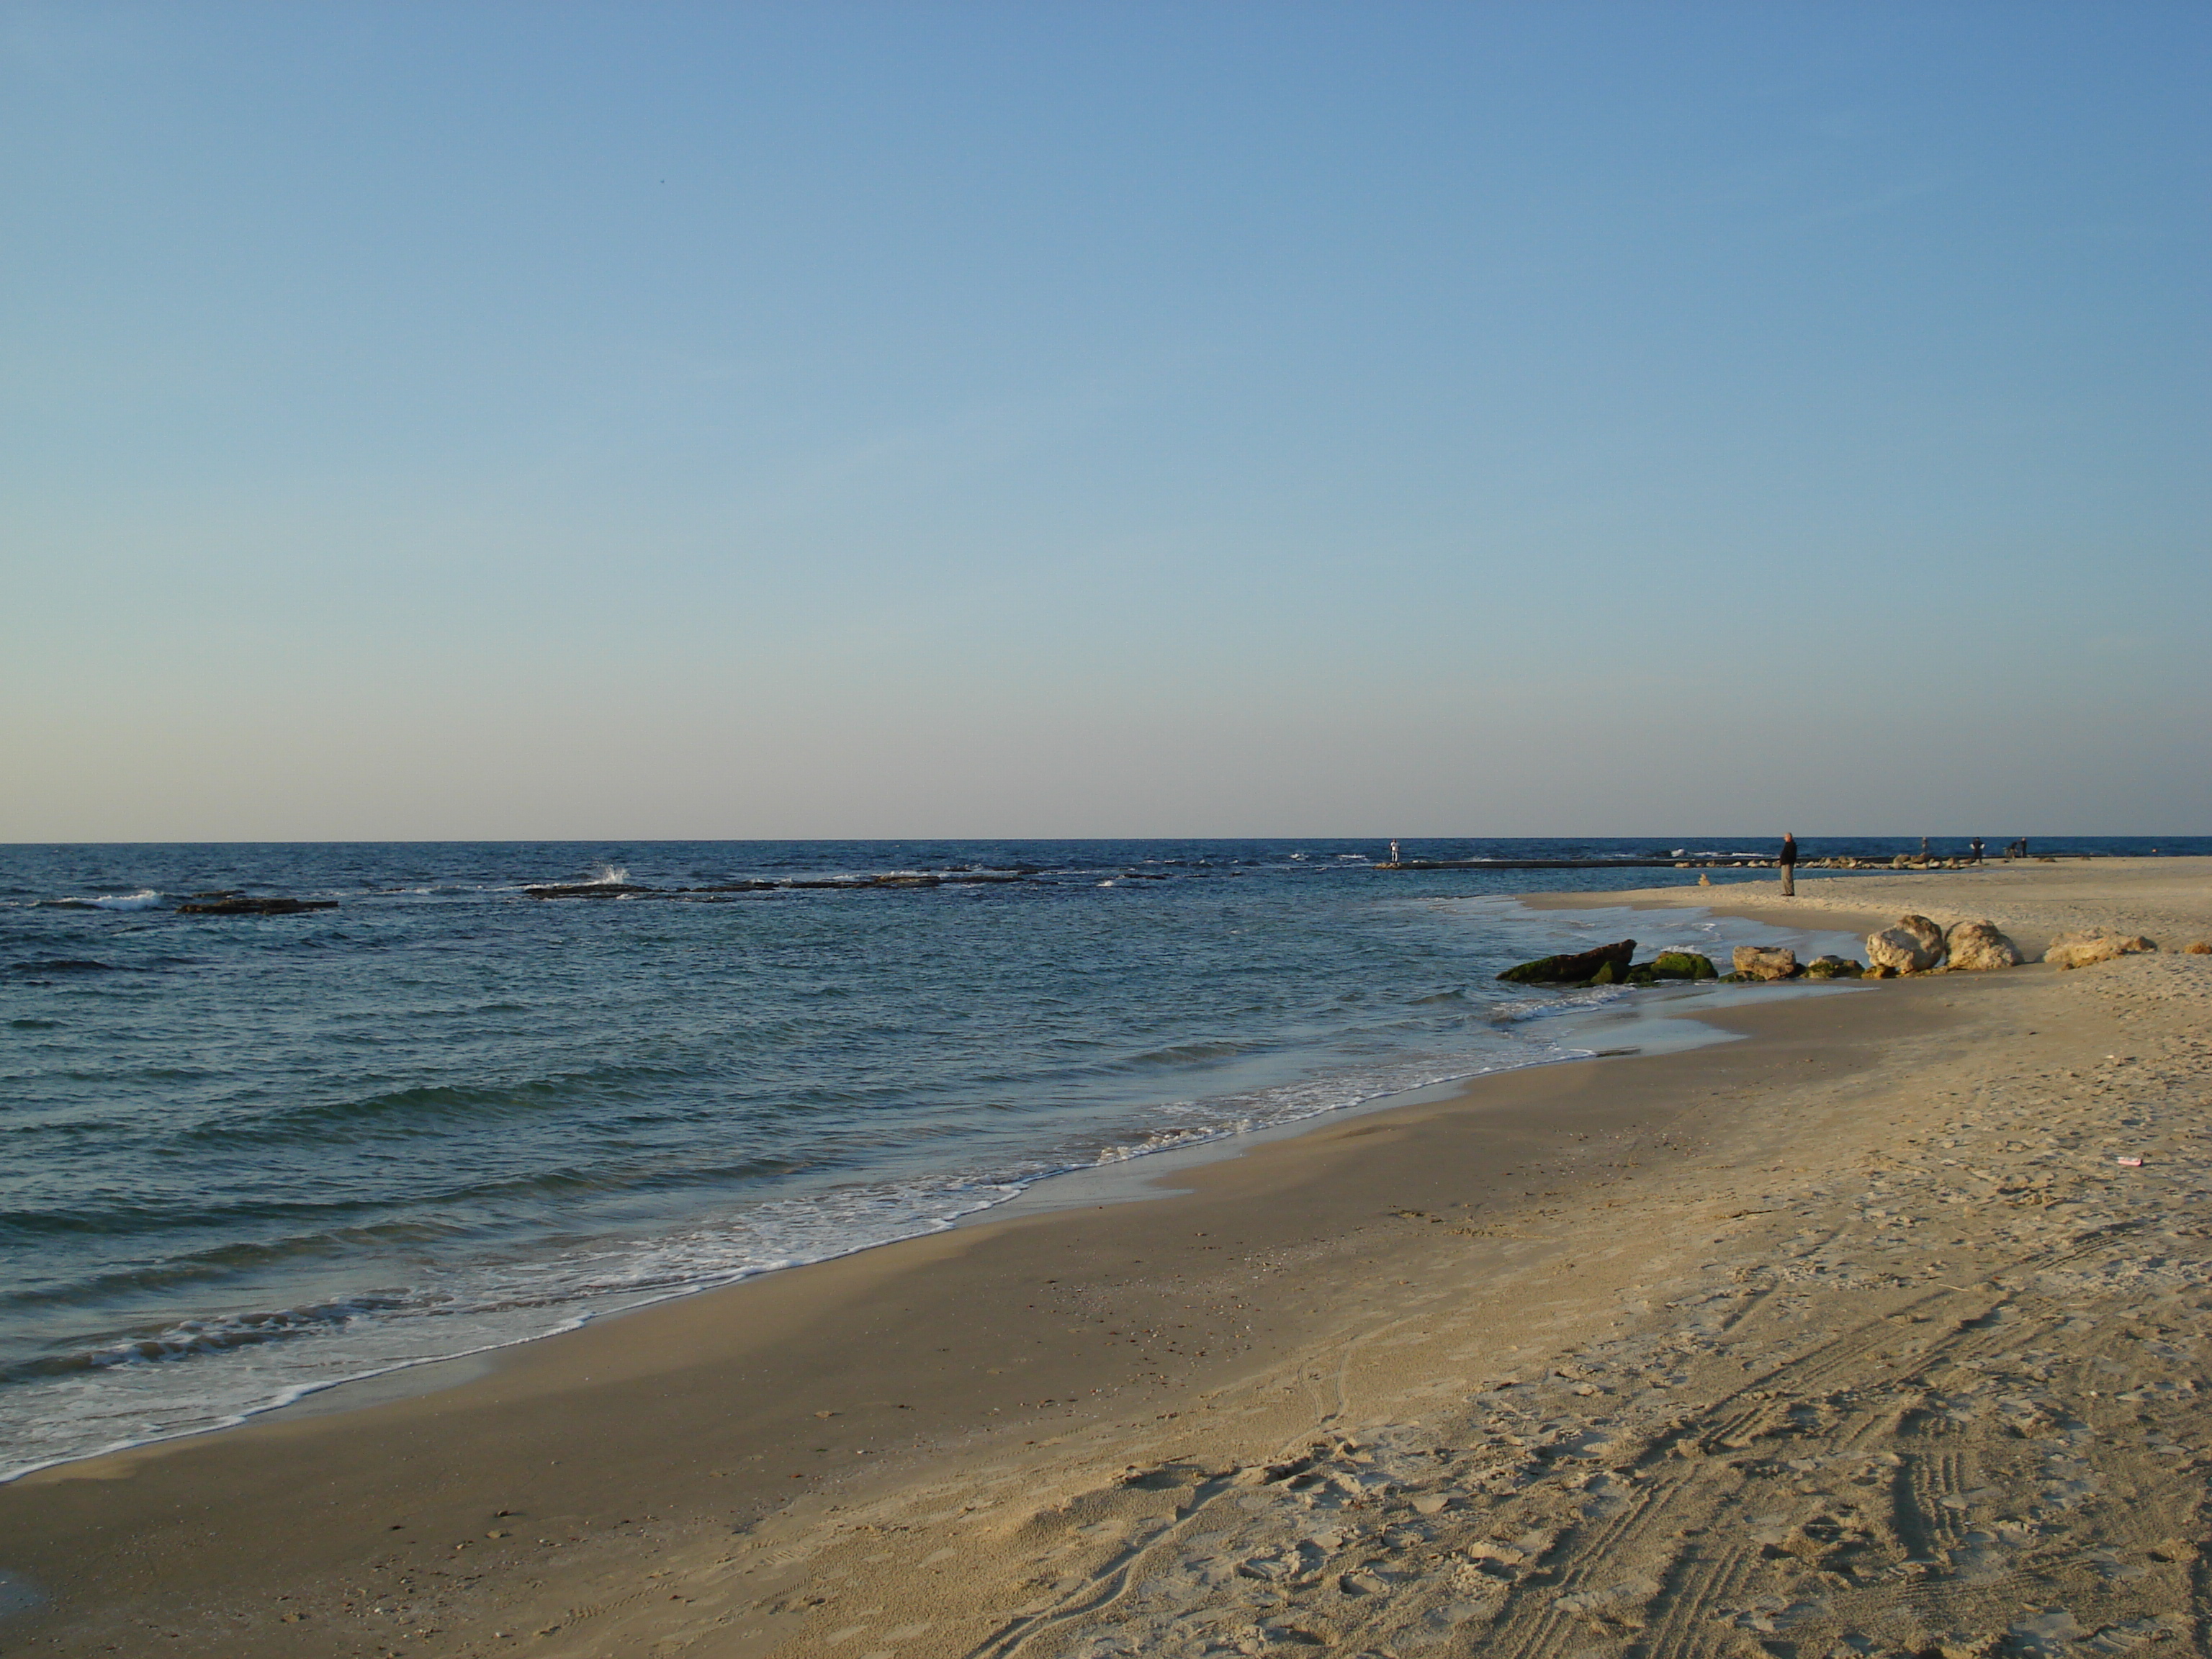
pixel 1682 964
pixel 1582 968
pixel 1833 968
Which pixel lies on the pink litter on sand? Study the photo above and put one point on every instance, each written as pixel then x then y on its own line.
pixel 2129 1163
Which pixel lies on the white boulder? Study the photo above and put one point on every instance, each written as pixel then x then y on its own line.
pixel 1977 947
pixel 1912 946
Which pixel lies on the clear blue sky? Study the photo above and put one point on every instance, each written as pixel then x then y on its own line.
pixel 518 420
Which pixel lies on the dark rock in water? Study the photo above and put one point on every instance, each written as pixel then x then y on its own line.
pixel 1682 964
pixel 599 890
pixel 738 887
pixel 1833 968
pixel 1582 968
pixel 255 906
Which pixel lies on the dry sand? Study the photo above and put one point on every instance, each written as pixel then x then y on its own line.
pixel 1852 1337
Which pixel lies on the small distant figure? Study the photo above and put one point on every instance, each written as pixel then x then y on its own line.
pixel 1789 864
pixel 1923 849
pixel 1394 852
pixel 1974 849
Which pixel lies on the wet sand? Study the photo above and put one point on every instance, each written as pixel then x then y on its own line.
pixel 1850 1336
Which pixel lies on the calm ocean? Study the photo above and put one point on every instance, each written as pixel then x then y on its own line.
pixel 248 1156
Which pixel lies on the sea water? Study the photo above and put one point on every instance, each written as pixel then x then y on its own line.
pixel 245 1158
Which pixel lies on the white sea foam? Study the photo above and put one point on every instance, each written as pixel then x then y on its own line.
pixel 144 899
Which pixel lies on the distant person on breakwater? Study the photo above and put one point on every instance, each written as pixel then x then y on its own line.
pixel 1789 864
pixel 1394 852
pixel 1974 848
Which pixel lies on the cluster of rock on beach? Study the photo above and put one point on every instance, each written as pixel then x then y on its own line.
pixel 1913 945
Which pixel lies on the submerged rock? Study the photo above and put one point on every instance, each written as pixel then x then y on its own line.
pixel 1766 962
pixel 1608 964
pixel 2099 944
pixel 1977 946
pixel 253 906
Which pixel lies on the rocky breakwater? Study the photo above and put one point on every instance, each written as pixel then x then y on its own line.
pixel 1614 964
pixel 893 881
pixel 252 907
pixel 1611 964
pixel 1767 964
pixel 1912 944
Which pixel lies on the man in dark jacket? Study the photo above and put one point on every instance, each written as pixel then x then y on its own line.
pixel 1789 864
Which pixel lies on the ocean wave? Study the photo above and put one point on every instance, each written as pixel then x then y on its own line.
pixel 1567 1002
pixel 1183 1054
pixel 403 1112
pixel 194 1338
pixel 145 899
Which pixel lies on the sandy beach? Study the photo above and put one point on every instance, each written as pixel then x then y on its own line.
pixel 1855 1336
